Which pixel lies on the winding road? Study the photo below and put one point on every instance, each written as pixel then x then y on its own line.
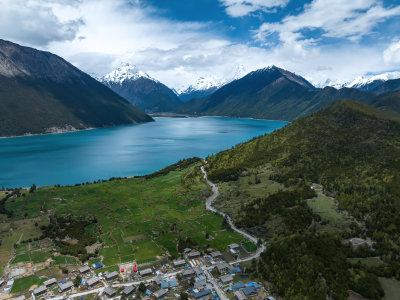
pixel 209 207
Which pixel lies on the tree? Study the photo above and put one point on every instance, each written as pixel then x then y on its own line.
pixel 77 281
pixel 142 287
pixel 32 188
pixel 184 296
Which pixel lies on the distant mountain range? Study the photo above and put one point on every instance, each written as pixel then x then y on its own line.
pixel 141 90
pixel 269 93
pixel 374 83
pixel 42 93
pixel 207 85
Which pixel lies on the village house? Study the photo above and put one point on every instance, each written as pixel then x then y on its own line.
pixel 39 291
pixel 222 267
pixel 215 254
pixel 239 295
pixel 146 272
pixel 84 269
pixel 160 294
pixel 112 276
pixel 179 263
pixel 93 281
pixel 202 294
pixel 109 291
pixel 226 279
pixel 66 286
pixel 193 254
pixel 188 273
pixel 234 248
pixel 50 282
pixel 128 291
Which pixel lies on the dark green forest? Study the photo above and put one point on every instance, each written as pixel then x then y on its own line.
pixel 353 151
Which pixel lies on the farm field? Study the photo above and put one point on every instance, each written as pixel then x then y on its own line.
pixel 24 283
pixel 14 231
pixel 137 218
pixel 391 287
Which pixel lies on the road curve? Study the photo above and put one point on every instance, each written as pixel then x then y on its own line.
pixel 209 207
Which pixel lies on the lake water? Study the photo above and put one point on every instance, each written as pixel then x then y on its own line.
pixel 82 156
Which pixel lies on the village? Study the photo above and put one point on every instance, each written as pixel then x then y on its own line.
pixel 194 276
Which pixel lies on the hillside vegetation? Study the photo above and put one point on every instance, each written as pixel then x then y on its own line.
pixel 135 219
pixel 352 150
pixel 40 92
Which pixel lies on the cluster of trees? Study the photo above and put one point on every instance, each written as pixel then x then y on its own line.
pixel 312 266
pixel 354 152
pixel 61 227
pixel 288 204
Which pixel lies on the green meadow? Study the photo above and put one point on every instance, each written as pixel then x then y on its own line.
pixel 138 218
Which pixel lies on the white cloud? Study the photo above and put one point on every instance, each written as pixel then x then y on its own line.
pixel 177 53
pixel 336 19
pixel 392 54
pixel 240 8
pixel 34 22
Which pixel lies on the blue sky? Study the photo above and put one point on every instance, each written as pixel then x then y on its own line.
pixel 178 41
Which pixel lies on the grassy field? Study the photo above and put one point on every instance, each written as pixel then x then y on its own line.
pixel 65 260
pixel 369 261
pixel 25 283
pixel 245 189
pixel 15 231
pixel 139 218
pixel 391 287
pixel 325 206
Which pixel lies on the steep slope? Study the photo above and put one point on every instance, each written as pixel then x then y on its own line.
pixel 270 93
pixel 41 92
pixel 203 87
pixel 353 150
pixel 141 90
pixel 387 86
pixel 207 85
pixel 388 103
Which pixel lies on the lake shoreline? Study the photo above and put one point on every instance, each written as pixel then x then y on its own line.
pixel 120 151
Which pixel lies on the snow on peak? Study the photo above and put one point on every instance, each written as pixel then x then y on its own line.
pixel 364 80
pixel 361 81
pixel 210 81
pixel 125 72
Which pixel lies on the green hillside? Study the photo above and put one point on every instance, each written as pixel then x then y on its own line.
pixel 353 151
pixel 388 103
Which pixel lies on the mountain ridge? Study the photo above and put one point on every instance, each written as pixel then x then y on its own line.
pixel 41 92
pixel 141 90
pixel 269 93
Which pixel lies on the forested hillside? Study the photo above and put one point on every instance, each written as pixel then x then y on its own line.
pixel 353 151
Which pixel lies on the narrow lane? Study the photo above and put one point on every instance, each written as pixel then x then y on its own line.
pixel 209 207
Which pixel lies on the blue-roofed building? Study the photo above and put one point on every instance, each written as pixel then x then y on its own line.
pixel 164 285
pixel 270 298
pixel 97 265
pixel 235 270
pixel 249 290
pixel 202 294
pixel 238 285
pixel 173 283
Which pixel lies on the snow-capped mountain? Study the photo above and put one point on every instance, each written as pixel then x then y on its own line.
pixel 125 72
pixel 207 85
pixel 141 90
pixel 364 83
pixel 368 83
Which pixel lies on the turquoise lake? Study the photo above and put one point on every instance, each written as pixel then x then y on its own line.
pixel 89 155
